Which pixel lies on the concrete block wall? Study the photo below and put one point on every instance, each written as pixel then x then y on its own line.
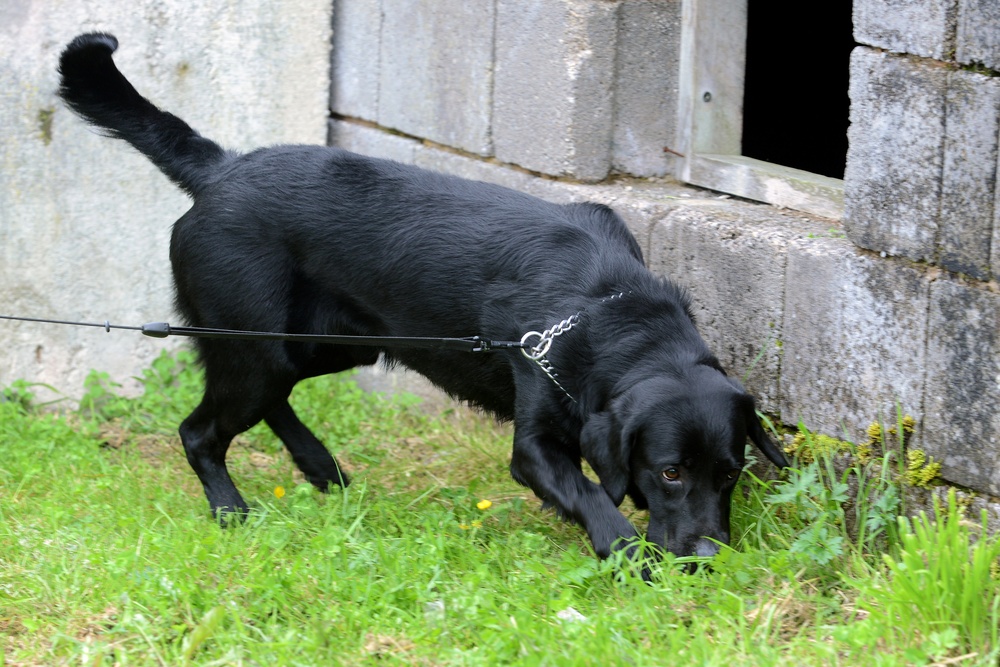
pixel 554 89
pixel 921 27
pixel 569 88
pixel 85 220
pixel 645 101
pixel 921 183
pixel 960 31
pixel 977 34
pixel 892 204
pixel 436 71
pixel 854 337
pixel 962 424
pixel 921 177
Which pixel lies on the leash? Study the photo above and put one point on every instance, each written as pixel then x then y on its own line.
pixel 536 353
pixel 163 330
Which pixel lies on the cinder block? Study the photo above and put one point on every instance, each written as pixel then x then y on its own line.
pixel 733 264
pixel 979 33
pixel 962 425
pixel 646 85
pixel 372 141
pixel 968 191
pixel 921 27
pixel 553 101
pixel 892 184
pixel 436 70
pixel 854 335
pixel 357 36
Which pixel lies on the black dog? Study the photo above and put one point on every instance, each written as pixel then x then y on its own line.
pixel 312 239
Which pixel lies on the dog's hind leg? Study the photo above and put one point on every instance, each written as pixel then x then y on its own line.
pixel 307 451
pixel 236 398
pixel 206 440
pixel 309 454
pixel 247 384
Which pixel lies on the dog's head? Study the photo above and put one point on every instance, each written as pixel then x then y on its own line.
pixel 676 445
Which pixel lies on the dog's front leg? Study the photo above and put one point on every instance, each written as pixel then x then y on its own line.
pixel 546 467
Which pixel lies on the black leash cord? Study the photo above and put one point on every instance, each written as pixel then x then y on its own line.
pixel 107 326
pixel 162 330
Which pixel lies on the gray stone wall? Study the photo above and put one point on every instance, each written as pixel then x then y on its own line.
pixel 84 220
pixel 921 184
pixel 571 88
pixel 925 120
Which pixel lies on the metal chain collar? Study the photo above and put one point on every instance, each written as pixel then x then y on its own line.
pixel 545 338
pixel 538 352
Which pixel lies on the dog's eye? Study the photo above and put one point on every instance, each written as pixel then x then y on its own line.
pixel 671 474
pixel 733 474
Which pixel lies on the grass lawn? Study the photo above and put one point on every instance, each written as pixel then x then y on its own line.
pixel 108 554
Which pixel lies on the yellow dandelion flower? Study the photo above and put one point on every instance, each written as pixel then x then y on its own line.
pixel 279 492
pixel 477 524
pixel 463 526
pixel 484 504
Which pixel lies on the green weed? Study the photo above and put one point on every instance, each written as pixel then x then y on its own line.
pixel 939 592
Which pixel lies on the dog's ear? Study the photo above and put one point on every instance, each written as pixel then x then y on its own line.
pixel 607 448
pixel 760 438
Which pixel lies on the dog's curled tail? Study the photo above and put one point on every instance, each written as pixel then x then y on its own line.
pixel 93 87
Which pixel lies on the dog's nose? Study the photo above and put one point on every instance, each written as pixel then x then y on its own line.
pixel 705 547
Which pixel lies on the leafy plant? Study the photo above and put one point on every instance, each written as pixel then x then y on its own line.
pixel 18 393
pixel 100 397
pixel 835 504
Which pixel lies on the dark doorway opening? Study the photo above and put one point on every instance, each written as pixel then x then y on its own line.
pixel 795 104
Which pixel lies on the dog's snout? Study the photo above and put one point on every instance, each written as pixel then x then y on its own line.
pixel 705 547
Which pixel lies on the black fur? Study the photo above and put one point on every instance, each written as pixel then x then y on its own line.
pixel 312 239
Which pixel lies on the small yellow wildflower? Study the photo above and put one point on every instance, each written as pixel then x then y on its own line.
pixel 279 492
pixel 484 504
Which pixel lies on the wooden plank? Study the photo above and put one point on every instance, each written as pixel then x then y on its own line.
pixel 770 183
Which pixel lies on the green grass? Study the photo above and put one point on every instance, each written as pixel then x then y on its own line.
pixel 108 554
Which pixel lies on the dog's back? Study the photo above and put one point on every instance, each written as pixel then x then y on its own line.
pixel 385 249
